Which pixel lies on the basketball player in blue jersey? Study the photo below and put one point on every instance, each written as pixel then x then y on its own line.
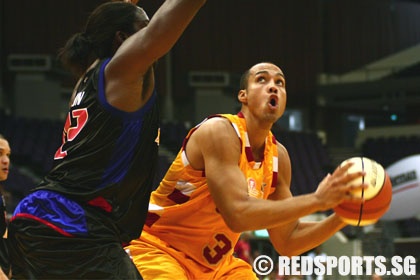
pixel 74 224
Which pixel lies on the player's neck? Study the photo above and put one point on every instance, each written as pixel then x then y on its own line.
pixel 257 134
pixel 257 139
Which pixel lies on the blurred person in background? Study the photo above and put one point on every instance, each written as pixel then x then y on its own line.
pixel 322 258
pixel 5 152
pixel 243 249
pixel 4 158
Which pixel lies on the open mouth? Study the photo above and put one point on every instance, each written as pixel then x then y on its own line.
pixel 273 101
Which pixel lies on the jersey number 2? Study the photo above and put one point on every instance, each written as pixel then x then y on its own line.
pixel 80 117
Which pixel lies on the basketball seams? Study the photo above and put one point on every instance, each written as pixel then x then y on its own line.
pixel 363 194
pixel 370 210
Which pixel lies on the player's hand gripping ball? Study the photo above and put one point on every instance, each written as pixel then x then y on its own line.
pixel 377 196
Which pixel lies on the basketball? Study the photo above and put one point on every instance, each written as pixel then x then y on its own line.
pixel 377 195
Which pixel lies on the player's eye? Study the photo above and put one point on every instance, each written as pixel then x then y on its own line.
pixel 261 79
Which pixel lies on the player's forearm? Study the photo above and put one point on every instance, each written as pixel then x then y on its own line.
pixel 305 236
pixel 254 214
pixel 168 23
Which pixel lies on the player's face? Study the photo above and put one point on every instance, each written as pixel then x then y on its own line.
pixel 4 159
pixel 266 92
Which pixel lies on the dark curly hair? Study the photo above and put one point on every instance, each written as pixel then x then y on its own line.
pixel 96 41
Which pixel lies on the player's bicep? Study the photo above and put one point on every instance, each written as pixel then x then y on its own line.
pixel 221 150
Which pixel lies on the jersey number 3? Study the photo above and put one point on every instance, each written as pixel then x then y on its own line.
pixel 75 122
pixel 215 254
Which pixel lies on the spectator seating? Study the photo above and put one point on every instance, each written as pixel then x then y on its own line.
pixel 16 186
pixel 387 150
pixel 309 158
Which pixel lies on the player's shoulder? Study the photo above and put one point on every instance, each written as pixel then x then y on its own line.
pixel 280 147
pixel 283 154
pixel 215 123
pixel 216 129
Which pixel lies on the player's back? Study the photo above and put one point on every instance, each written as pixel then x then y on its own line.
pixel 108 157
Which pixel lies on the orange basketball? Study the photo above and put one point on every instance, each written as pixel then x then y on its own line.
pixel 377 196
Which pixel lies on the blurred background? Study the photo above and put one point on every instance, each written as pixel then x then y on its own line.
pixel 353 84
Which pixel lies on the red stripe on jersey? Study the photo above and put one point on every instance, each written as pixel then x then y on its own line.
pixel 248 152
pixel 178 197
pixel 101 203
pixel 151 218
pixel 274 181
pixel 42 221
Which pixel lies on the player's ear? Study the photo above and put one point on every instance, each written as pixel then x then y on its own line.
pixel 242 95
pixel 121 36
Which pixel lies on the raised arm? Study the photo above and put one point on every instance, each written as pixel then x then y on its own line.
pixel 143 48
pixel 216 147
pixel 127 70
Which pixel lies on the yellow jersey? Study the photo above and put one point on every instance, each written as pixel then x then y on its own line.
pixel 182 212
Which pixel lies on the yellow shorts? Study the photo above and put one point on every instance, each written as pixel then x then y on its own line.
pixel 155 259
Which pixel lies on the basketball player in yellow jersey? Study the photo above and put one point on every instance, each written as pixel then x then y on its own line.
pixel 230 176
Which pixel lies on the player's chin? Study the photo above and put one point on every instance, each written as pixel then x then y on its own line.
pixel 271 118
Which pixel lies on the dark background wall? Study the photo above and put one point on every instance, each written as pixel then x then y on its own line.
pixel 305 37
